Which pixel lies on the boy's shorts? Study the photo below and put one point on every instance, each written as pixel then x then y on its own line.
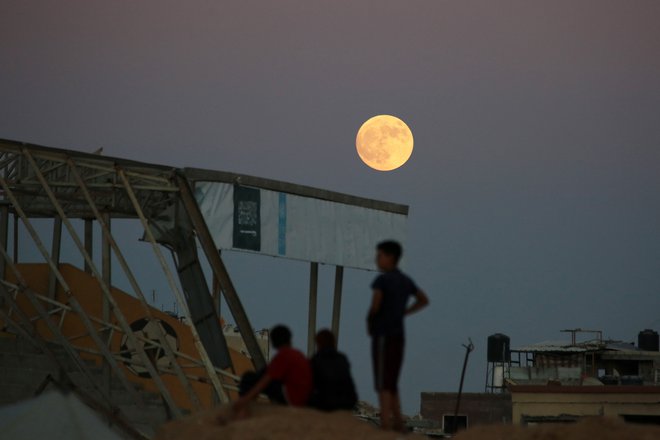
pixel 387 356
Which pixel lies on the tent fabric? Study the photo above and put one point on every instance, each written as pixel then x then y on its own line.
pixel 53 415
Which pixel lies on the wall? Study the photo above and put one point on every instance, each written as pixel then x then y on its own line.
pixel 583 401
pixel 481 408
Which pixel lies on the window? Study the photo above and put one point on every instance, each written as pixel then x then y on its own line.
pixel 537 420
pixel 448 425
pixel 641 419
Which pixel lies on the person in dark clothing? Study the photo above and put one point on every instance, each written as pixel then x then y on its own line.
pixel 392 290
pixel 334 388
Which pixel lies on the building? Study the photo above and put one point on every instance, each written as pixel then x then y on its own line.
pixel 534 404
pixel 475 409
pixel 559 382
pixel 554 382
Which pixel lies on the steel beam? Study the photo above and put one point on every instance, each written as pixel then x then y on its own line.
pixel 55 255
pixel 106 276
pixel 220 271
pixel 4 234
pixel 200 304
pixel 89 242
pixel 336 303
pixel 311 320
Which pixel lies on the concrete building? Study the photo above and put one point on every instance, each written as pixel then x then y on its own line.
pixel 475 409
pixel 554 382
pixel 559 382
pixel 534 404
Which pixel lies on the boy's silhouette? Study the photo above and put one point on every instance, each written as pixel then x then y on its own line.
pixel 391 291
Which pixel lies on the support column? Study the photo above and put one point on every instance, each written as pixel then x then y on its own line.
pixel 106 267
pixel 4 234
pixel 220 271
pixel 336 303
pixel 55 255
pixel 15 237
pixel 313 293
pixel 200 304
pixel 89 241
pixel 216 293
pixel 106 275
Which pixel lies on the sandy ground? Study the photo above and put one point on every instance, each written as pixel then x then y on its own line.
pixel 588 429
pixel 279 423
pixel 274 422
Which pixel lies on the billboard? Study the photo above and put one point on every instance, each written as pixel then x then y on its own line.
pixel 331 230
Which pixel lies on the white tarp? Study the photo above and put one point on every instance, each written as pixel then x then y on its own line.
pixel 292 226
pixel 53 415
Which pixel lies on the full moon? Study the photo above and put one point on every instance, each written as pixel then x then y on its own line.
pixel 384 142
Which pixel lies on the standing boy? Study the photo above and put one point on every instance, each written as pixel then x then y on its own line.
pixel 391 291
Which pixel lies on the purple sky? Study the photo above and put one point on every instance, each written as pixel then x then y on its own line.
pixel 534 185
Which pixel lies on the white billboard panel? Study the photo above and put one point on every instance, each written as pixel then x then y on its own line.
pixel 292 226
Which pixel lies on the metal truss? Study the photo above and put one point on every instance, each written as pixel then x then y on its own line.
pixel 40 182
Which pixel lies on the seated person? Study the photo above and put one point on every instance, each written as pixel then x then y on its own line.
pixel 333 385
pixel 286 380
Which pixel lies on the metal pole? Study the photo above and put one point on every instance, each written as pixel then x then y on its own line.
pixel 4 232
pixel 311 321
pixel 15 238
pixel 106 261
pixel 89 241
pixel 468 349
pixel 220 271
pixel 336 305
pixel 55 255
pixel 106 275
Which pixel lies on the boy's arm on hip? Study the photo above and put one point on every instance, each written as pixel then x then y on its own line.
pixel 421 301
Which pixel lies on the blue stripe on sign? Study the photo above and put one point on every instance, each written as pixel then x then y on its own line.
pixel 281 226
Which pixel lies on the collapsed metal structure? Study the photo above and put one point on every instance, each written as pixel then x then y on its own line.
pixel 39 182
pixel 65 186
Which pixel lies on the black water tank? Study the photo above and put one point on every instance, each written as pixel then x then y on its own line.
pixel 499 349
pixel 648 340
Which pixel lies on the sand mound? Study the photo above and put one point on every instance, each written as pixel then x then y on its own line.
pixel 596 428
pixel 279 422
pixel 273 422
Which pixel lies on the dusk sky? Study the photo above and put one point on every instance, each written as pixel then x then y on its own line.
pixel 534 185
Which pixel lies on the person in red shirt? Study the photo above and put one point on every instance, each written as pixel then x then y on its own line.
pixel 286 380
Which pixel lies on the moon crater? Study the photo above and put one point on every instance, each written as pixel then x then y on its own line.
pixel 384 142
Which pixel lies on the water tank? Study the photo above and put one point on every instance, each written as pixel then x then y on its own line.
pixel 499 349
pixel 648 340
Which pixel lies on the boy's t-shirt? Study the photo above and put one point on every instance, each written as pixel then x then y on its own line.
pixel 397 288
pixel 292 368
